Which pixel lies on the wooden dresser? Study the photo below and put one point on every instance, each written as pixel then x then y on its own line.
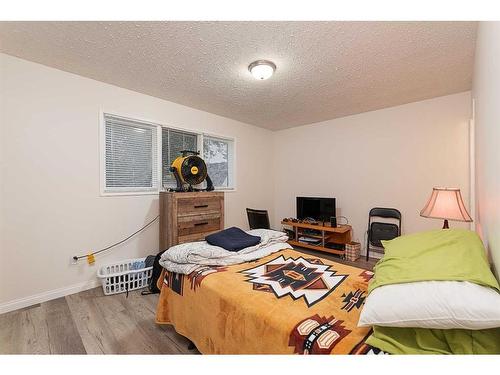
pixel 186 217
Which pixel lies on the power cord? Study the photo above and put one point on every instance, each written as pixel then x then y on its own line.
pixel 90 257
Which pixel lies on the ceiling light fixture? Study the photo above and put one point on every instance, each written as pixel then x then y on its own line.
pixel 262 69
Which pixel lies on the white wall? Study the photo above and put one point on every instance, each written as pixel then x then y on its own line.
pixel 389 158
pixel 486 93
pixel 51 208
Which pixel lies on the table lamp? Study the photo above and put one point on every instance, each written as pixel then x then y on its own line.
pixel 446 204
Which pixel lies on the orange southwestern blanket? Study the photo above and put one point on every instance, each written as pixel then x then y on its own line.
pixel 285 303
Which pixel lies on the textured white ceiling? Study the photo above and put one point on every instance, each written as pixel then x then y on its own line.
pixel 324 70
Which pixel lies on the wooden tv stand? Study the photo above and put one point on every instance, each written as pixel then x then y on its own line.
pixel 340 235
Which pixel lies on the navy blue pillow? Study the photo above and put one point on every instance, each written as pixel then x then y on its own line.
pixel 232 239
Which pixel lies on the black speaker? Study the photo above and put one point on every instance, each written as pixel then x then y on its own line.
pixel 333 221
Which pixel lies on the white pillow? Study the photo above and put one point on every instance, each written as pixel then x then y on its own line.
pixel 432 304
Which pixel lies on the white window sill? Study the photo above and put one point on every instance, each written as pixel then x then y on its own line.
pixel 127 193
pixel 228 190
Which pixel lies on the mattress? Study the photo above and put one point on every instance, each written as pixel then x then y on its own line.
pixel 284 303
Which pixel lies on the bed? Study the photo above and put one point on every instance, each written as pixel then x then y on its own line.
pixel 431 293
pixel 284 303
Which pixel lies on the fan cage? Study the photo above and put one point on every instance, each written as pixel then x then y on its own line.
pixel 187 164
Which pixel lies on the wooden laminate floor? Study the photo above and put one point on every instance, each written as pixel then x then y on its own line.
pixel 91 323
pixel 360 263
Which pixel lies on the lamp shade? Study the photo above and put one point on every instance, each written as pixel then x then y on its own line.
pixel 446 203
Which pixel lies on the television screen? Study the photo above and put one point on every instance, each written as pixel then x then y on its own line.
pixel 320 209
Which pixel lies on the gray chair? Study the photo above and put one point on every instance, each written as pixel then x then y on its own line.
pixel 379 231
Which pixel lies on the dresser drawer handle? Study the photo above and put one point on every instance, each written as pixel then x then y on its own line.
pixel 201 206
pixel 204 223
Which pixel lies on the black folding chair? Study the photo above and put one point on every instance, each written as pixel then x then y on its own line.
pixel 258 219
pixel 379 231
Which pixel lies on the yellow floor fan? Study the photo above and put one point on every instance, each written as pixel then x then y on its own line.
pixel 190 169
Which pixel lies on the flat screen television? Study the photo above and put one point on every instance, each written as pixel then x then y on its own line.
pixel 320 209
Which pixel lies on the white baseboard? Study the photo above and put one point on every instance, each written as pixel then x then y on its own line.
pixel 47 296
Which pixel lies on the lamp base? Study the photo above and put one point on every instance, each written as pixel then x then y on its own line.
pixel 445 224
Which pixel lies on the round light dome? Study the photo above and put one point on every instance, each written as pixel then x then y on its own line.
pixel 262 69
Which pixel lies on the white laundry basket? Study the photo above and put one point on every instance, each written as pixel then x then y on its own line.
pixel 122 277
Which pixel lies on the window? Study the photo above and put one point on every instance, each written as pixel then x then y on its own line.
pixel 130 155
pixel 173 142
pixel 136 156
pixel 218 154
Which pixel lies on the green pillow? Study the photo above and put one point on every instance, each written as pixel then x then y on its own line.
pixel 445 254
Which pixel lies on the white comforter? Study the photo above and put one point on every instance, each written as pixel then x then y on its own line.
pixel 186 257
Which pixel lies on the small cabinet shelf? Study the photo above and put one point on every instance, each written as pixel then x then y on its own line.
pixel 339 235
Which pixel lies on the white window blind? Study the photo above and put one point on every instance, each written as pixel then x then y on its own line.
pixel 218 154
pixel 131 155
pixel 173 142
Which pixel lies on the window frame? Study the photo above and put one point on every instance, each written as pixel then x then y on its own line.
pixel 160 126
pixel 177 129
pixel 104 190
pixel 233 173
